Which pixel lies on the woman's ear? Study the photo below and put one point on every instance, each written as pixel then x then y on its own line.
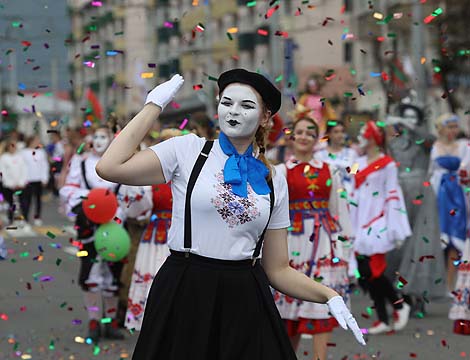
pixel 265 120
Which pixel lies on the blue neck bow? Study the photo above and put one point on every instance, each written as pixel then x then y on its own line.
pixel 242 168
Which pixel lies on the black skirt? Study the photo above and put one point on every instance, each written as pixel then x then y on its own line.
pixel 209 309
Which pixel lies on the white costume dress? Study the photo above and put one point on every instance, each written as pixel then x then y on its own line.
pixel 378 210
pixel 343 161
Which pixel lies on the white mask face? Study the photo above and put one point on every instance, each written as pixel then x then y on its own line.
pixel 239 111
pixel 411 118
pixel 362 141
pixel 101 141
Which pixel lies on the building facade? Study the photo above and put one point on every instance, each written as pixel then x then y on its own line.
pixel 110 45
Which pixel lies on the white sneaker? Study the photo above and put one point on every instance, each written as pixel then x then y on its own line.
pixel 401 317
pixel 37 222
pixel 379 327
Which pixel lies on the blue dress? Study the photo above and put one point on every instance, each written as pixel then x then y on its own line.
pixel 451 199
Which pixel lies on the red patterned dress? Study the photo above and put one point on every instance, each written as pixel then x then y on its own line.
pixel 318 241
pixel 152 252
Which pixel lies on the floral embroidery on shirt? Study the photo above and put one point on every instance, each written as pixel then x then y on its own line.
pixel 234 209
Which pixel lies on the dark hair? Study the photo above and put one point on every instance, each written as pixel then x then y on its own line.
pixel 330 125
pixel 318 79
pixel 420 114
pixel 203 120
pixel 261 139
pixel 30 139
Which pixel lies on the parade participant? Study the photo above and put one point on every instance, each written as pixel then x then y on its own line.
pixel 320 108
pixel 318 243
pixel 419 260
pixel 450 159
pixel 37 166
pixel 98 279
pixel 14 176
pixel 212 293
pixel 55 150
pixel 460 308
pixel 380 224
pixel 153 248
pixel 135 203
pixel 337 153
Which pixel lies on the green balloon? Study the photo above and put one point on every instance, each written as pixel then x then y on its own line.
pixel 112 242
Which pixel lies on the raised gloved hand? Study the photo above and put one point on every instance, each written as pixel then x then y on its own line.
pixel 165 92
pixel 344 317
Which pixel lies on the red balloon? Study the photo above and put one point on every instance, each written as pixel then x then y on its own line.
pixel 100 205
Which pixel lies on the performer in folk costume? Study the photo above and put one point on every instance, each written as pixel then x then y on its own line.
pixel 449 169
pixel 98 279
pixel 380 224
pixel 135 203
pixel 337 153
pixel 153 248
pixel 318 242
pixel 420 260
pixel 212 293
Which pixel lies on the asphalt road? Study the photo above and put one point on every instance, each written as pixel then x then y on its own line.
pixel 42 314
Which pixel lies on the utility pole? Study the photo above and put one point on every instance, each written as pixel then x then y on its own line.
pixel 275 44
pixel 102 72
pixel 209 44
pixel 417 46
pixel 13 81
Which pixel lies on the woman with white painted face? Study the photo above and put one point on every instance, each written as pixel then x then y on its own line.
pixel 211 299
pixel 99 280
pixel 380 224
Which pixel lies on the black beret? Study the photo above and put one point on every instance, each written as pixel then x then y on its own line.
pixel 269 93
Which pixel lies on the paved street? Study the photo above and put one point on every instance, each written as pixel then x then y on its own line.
pixel 42 315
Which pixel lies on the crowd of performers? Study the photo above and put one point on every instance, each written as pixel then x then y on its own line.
pixel 388 212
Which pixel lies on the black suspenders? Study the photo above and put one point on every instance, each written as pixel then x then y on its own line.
pixel 259 244
pixel 187 206
pixel 192 181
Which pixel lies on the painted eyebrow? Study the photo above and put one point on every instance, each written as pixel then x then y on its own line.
pixel 251 101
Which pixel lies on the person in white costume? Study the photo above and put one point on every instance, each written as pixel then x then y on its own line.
pixel 337 153
pixel 98 279
pixel 319 240
pixel 14 177
pixel 450 174
pixel 37 166
pixel 380 222
pixel 211 300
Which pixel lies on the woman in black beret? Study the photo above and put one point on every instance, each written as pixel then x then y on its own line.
pixel 211 298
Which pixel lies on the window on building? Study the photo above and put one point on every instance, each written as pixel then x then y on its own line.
pixel 347 52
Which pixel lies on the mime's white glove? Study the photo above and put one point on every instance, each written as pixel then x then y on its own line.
pixel 344 317
pixel 165 92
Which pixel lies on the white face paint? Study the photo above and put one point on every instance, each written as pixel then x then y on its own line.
pixel 101 140
pixel 239 111
pixel 362 141
pixel 411 118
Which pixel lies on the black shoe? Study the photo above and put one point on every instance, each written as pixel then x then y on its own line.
pixel 94 331
pixel 111 331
